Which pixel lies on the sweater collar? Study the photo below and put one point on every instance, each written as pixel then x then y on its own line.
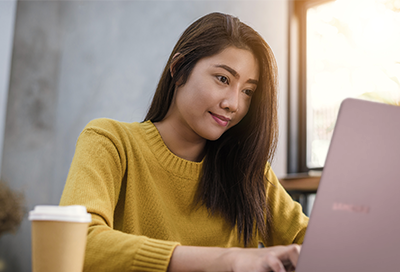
pixel 169 161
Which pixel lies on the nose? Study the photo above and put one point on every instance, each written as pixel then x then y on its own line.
pixel 231 101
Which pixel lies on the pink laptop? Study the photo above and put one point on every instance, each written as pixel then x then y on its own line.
pixel 355 221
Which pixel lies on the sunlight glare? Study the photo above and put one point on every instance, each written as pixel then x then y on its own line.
pixel 353 48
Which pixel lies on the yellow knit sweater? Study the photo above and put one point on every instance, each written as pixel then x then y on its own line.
pixel 139 195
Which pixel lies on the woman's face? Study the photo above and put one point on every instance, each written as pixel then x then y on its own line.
pixel 216 95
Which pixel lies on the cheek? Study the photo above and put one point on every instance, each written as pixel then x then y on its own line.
pixel 191 99
pixel 199 96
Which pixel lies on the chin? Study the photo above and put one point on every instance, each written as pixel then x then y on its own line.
pixel 213 136
pixel 211 133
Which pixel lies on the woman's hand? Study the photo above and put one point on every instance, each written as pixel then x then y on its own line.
pixel 188 258
pixel 277 259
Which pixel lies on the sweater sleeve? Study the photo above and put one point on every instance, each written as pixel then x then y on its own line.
pixel 94 181
pixel 287 222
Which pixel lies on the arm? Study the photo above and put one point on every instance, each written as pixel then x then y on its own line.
pixel 186 258
pixel 288 228
pixel 288 223
pixel 94 180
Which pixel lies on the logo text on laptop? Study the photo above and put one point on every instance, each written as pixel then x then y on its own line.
pixel 338 206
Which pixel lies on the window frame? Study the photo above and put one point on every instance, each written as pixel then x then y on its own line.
pixel 297 82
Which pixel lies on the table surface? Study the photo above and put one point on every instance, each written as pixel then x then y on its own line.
pixel 300 186
pixel 303 182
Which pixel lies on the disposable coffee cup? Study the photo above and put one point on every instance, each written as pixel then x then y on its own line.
pixel 59 238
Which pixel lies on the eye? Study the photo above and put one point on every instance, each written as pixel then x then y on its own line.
pixel 248 92
pixel 223 79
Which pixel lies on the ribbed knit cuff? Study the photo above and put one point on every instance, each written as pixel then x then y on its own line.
pixel 154 255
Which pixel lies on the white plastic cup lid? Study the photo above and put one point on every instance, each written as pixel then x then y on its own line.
pixel 75 213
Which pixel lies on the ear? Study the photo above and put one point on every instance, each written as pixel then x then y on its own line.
pixel 175 60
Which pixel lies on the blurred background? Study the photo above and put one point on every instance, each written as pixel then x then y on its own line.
pixel 64 63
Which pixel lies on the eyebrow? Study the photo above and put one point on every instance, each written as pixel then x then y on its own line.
pixel 234 73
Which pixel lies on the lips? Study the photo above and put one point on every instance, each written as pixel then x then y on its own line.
pixel 221 120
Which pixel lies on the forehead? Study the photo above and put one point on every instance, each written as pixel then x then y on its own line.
pixel 242 61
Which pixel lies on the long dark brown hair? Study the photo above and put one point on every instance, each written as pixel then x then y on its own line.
pixel 233 181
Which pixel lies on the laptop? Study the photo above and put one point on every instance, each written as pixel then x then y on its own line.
pixel 355 221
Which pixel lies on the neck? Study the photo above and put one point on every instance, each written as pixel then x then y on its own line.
pixel 181 142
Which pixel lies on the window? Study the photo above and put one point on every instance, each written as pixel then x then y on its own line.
pixel 339 49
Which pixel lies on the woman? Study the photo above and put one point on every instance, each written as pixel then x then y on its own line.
pixel 190 188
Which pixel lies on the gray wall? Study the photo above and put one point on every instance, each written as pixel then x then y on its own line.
pixel 7 18
pixel 74 61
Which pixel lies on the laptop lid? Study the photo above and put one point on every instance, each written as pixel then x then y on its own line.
pixel 355 221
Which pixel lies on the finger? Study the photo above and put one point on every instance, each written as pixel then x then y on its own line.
pixel 293 254
pixel 274 263
pixel 288 265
